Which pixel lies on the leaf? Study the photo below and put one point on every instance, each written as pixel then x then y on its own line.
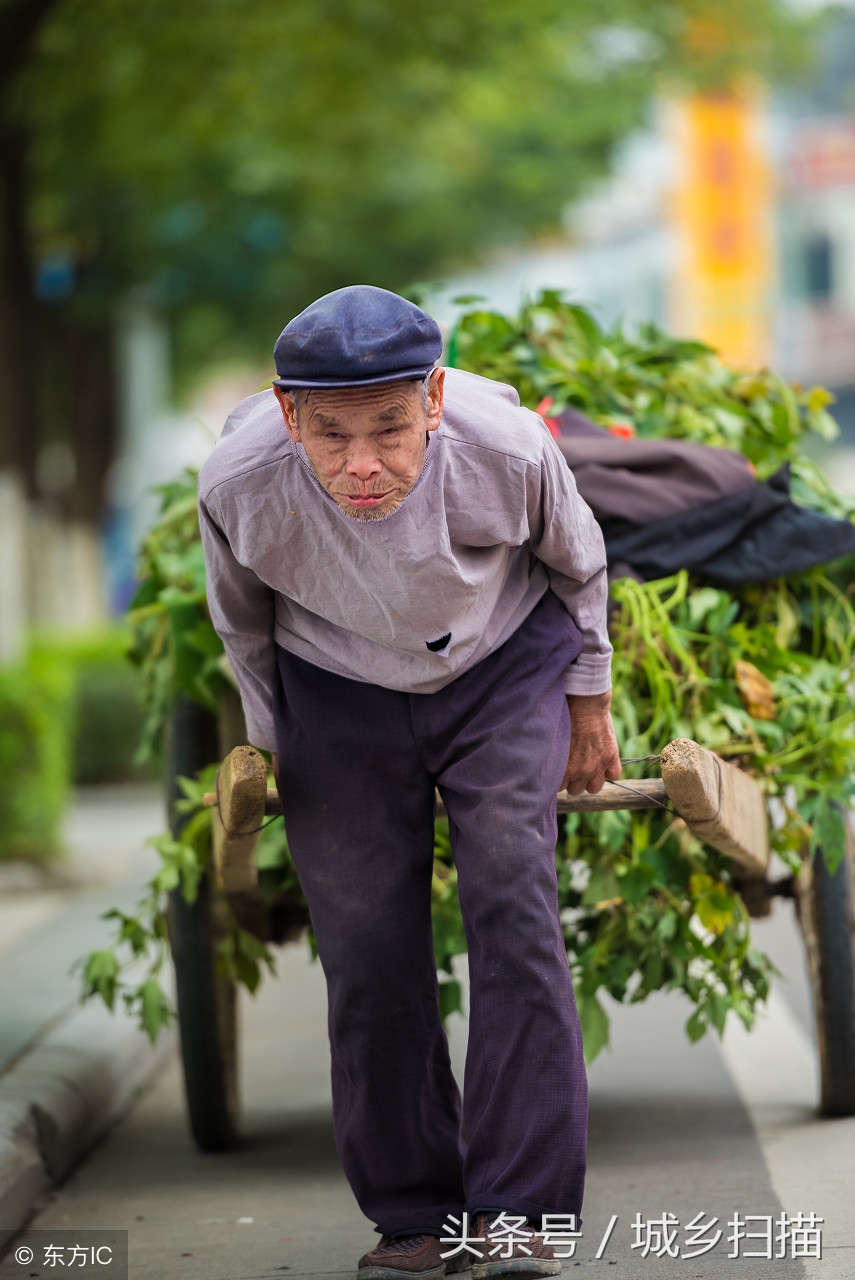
pixel 828 833
pixel 100 976
pixel 602 886
pixel 696 1026
pixel 716 906
pixel 183 621
pixel 718 1005
pixel 755 690
pixel 613 828
pixel 190 867
pixel 701 603
pixel 818 398
pixel 247 971
pixel 721 618
pixel 636 882
pixel 145 594
pixel 240 956
pixel 651 979
pixel 450 998
pixel 824 425
pixel 155 1009
pixel 204 638
pixel 133 931
pixel 595 1026
pixel 588 326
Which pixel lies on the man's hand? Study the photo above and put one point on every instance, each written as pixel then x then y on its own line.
pixel 593 747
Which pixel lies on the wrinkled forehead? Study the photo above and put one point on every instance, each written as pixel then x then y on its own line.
pixel 390 400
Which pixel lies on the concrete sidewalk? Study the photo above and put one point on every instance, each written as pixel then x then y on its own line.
pixel 67 1071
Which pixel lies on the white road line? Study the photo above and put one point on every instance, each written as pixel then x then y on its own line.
pixel 811 1161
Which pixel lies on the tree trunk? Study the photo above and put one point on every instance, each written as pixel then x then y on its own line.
pixel 18 426
pixel 18 413
pixel 23 578
pixel 92 420
pixel 20 23
pixel 56 384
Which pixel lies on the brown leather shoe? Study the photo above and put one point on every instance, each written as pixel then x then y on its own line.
pixel 413 1256
pixel 518 1252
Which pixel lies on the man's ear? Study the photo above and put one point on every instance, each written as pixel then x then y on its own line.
pixel 289 413
pixel 434 398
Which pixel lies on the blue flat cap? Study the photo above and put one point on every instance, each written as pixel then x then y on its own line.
pixel 356 337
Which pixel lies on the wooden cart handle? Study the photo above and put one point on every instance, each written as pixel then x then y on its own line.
pixel 718 802
pixel 644 793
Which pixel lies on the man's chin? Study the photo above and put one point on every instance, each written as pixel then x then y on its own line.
pixel 376 512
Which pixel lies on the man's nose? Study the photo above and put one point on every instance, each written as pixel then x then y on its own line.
pixel 362 460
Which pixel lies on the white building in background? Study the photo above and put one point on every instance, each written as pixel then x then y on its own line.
pixel 615 255
pixel 815 333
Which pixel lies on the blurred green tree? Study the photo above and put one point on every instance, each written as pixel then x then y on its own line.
pixel 236 158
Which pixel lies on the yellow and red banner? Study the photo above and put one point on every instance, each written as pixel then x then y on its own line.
pixel 721 286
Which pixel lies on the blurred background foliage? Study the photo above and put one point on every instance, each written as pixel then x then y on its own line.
pixel 237 159
pixel 107 720
pixel 35 758
pixel 70 714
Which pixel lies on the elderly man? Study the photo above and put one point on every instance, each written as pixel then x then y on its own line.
pixel 412 596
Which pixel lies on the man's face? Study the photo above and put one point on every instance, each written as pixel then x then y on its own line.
pixel 366 445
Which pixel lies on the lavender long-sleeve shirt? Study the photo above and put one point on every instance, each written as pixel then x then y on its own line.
pixel 493 521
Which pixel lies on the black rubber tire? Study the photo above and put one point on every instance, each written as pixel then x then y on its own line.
pixel 827 911
pixel 207 1024
pixel 207 1005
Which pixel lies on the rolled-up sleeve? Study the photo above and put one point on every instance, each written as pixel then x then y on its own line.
pixel 242 611
pixel 566 538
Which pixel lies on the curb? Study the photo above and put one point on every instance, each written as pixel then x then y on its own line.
pixel 60 1097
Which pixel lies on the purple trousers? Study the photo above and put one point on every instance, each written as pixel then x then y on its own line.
pixel 359 765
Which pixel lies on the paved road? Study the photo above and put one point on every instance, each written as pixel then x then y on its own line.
pixel 674 1129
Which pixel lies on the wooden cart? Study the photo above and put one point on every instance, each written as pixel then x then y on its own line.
pixel 717 802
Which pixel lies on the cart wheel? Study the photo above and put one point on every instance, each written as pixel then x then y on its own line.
pixel 826 906
pixel 207 1005
pixel 207 1020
